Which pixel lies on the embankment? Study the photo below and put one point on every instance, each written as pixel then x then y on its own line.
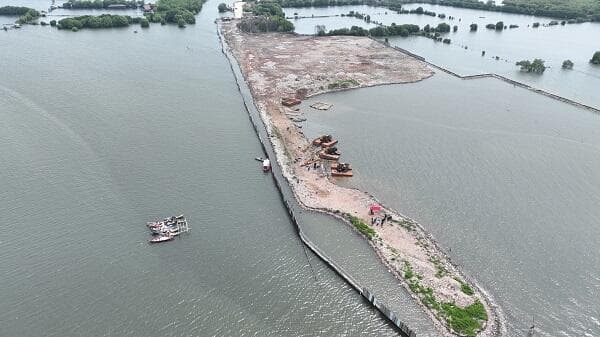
pixel 287 196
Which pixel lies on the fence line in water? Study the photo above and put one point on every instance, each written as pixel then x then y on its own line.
pixel 499 77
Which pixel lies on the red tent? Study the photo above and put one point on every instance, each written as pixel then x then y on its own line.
pixel 374 208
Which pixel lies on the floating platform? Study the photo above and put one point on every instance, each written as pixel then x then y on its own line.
pixel 321 106
pixel 168 228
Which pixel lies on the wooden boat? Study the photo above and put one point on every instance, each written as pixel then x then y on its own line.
pixel 341 170
pixel 329 156
pixel 345 166
pixel 324 141
pixel 336 173
pixel 329 144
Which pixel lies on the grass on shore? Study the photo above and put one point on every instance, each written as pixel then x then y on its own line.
pixel 362 227
pixel 465 288
pixel 343 84
pixel 466 321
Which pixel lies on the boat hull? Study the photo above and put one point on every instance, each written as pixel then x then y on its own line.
pixel 336 173
pixel 327 156
pixel 319 142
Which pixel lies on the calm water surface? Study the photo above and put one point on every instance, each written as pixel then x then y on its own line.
pixel 104 130
pixel 554 44
pixel 505 179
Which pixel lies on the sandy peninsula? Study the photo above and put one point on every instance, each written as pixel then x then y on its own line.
pixel 278 66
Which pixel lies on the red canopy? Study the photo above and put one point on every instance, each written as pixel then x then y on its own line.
pixel 375 208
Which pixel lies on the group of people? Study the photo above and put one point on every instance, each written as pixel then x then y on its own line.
pixel 377 221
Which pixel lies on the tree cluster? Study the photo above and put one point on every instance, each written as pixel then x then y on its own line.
pixel 379 31
pixel 192 6
pixel 98 4
pixel 535 66
pixel 180 12
pixel 91 21
pixel 14 10
pixel 29 17
pixel 595 58
pixel 223 8
pixel 267 17
pixel 353 31
pixel 567 64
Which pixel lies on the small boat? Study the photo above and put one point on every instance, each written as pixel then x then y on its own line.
pixel 324 141
pixel 329 153
pixel 341 166
pixel 259 159
pixel 266 165
pixel 341 170
pixel 326 156
pixel 336 173
pixel 162 238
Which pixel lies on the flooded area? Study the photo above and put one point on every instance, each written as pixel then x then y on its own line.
pixel 510 45
pixel 505 179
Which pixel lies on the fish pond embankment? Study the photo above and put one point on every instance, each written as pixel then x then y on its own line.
pixel 276 66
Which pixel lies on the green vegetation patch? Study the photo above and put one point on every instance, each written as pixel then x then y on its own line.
pixel 180 12
pixel 193 6
pixel 343 84
pixel 363 227
pixel 99 4
pixel 26 14
pixel 91 21
pixel 441 271
pixel 268 17
pixel 14 10
pixel 408 271
pixel 595 58
pixel 567 64
pixel 466 321
pixel 464 287
pixel 535 66
pixel 223 7
pixel 29 17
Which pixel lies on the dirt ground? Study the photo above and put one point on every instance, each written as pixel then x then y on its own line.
pixel 278 66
